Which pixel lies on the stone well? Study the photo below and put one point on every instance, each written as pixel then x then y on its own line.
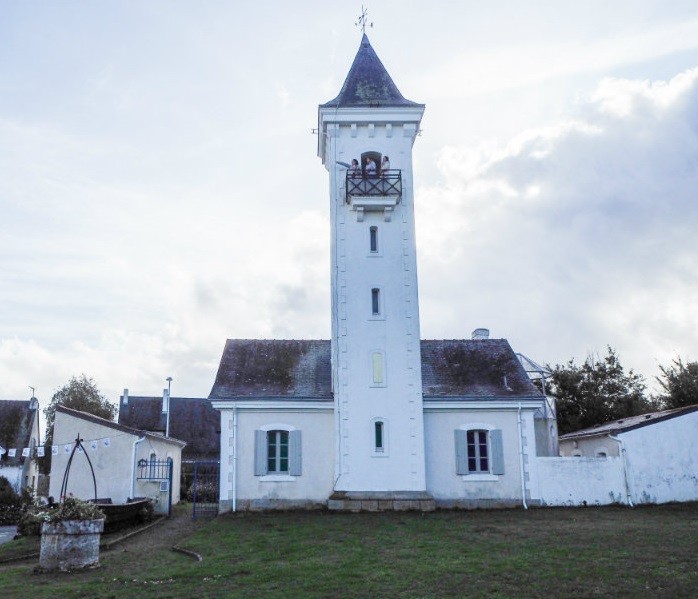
pixel 70 545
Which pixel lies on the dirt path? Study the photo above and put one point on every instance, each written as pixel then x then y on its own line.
pixel 162 536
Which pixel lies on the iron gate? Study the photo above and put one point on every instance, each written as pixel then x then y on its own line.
pixel 205 489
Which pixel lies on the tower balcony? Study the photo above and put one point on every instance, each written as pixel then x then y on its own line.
pixel 377 191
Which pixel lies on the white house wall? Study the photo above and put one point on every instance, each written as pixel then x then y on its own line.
pixel 589 447
pixel 113 466
pixel 163 450
pixel 576 481
pixel 310 489
pixel 662 460
pixel 452 490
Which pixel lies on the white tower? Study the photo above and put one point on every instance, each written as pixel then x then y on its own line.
pixel 376 359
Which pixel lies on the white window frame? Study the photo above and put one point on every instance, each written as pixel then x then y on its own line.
pixel 275 477
pixel 381 303
pixel 383 452
pixel 372 357
pixel 378 251
pixel 479 476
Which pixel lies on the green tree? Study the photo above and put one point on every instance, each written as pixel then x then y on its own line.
pixel 598 391
pixel 680 384
pixel 81 393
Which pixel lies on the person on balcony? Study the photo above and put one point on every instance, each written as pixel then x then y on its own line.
pixel 385 166
pixel 354 170
pixel 370 167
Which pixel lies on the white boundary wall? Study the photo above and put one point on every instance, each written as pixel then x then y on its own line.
pixel 579 481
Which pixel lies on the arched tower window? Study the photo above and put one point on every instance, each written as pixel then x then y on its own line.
pixel 376 157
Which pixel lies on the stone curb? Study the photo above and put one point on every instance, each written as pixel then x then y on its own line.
pixel 109 544
pixel 188 552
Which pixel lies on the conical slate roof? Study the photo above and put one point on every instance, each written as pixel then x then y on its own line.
pixel 368 83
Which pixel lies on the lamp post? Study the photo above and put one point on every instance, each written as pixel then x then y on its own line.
pixel 169 407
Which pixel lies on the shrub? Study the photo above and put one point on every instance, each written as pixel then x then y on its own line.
pixel 206 492
pixel 73 508
pixel 10 503
pixel 8 496
pixel 29 523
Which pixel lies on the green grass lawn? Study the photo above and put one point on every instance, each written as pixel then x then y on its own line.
pixel 590 552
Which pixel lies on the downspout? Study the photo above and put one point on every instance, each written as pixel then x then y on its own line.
pixel 235 456
pixel 521 459
pixel 621 447
pixel 133 466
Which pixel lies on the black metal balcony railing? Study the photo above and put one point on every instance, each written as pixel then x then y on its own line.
pixel 388 183
pixel 154 469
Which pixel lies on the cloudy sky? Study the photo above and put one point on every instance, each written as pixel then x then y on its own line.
pixel 160 190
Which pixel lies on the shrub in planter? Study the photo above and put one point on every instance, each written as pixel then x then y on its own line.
pixel 70 535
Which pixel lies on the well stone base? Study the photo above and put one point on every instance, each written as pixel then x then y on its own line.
pixel 381 501
pixel 70 545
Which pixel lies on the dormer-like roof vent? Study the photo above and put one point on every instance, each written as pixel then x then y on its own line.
pixel 481 334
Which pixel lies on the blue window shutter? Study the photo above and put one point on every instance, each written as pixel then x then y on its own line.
pixel 497 451
pixel 260 453
pixel 294 452
pixel 461 452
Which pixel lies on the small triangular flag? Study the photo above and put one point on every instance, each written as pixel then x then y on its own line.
pixel 40 451
pixel 25 452
pixel 54 449
pixel 94 444
pixel 12 453
pixel 106 442
pixel 67 448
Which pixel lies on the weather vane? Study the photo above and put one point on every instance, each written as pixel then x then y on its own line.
pixel 363 20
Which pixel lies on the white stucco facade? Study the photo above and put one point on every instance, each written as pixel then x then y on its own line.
pixel 362 335
pixel 114 464
pixel 480 490
pixel 662 460
pixel 242 489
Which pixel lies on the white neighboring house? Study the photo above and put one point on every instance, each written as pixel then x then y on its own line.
pixel 658 451
pixel 375 418
pixel 19 430
pixel 123 458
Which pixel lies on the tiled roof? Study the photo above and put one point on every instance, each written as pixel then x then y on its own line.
pixel 15 428
pixel 368 83
pixel 474 369
pixel 301 369
pixel 629 423
pixel 274 369
pixel 115 425
pixel 192 419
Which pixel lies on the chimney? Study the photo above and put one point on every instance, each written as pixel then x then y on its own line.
pixel 165 401
pixel 481 334
pixel 124 397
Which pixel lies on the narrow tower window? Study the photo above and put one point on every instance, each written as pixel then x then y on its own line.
pixel 373 233
pixel 379 436
pixel 375 301
pixel 377 364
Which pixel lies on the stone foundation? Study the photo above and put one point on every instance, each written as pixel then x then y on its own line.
pixel 383 501
pixel 264 505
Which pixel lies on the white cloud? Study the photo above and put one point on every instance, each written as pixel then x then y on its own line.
pixel 577 235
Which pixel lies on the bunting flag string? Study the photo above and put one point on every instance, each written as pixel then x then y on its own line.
pixel 41 450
